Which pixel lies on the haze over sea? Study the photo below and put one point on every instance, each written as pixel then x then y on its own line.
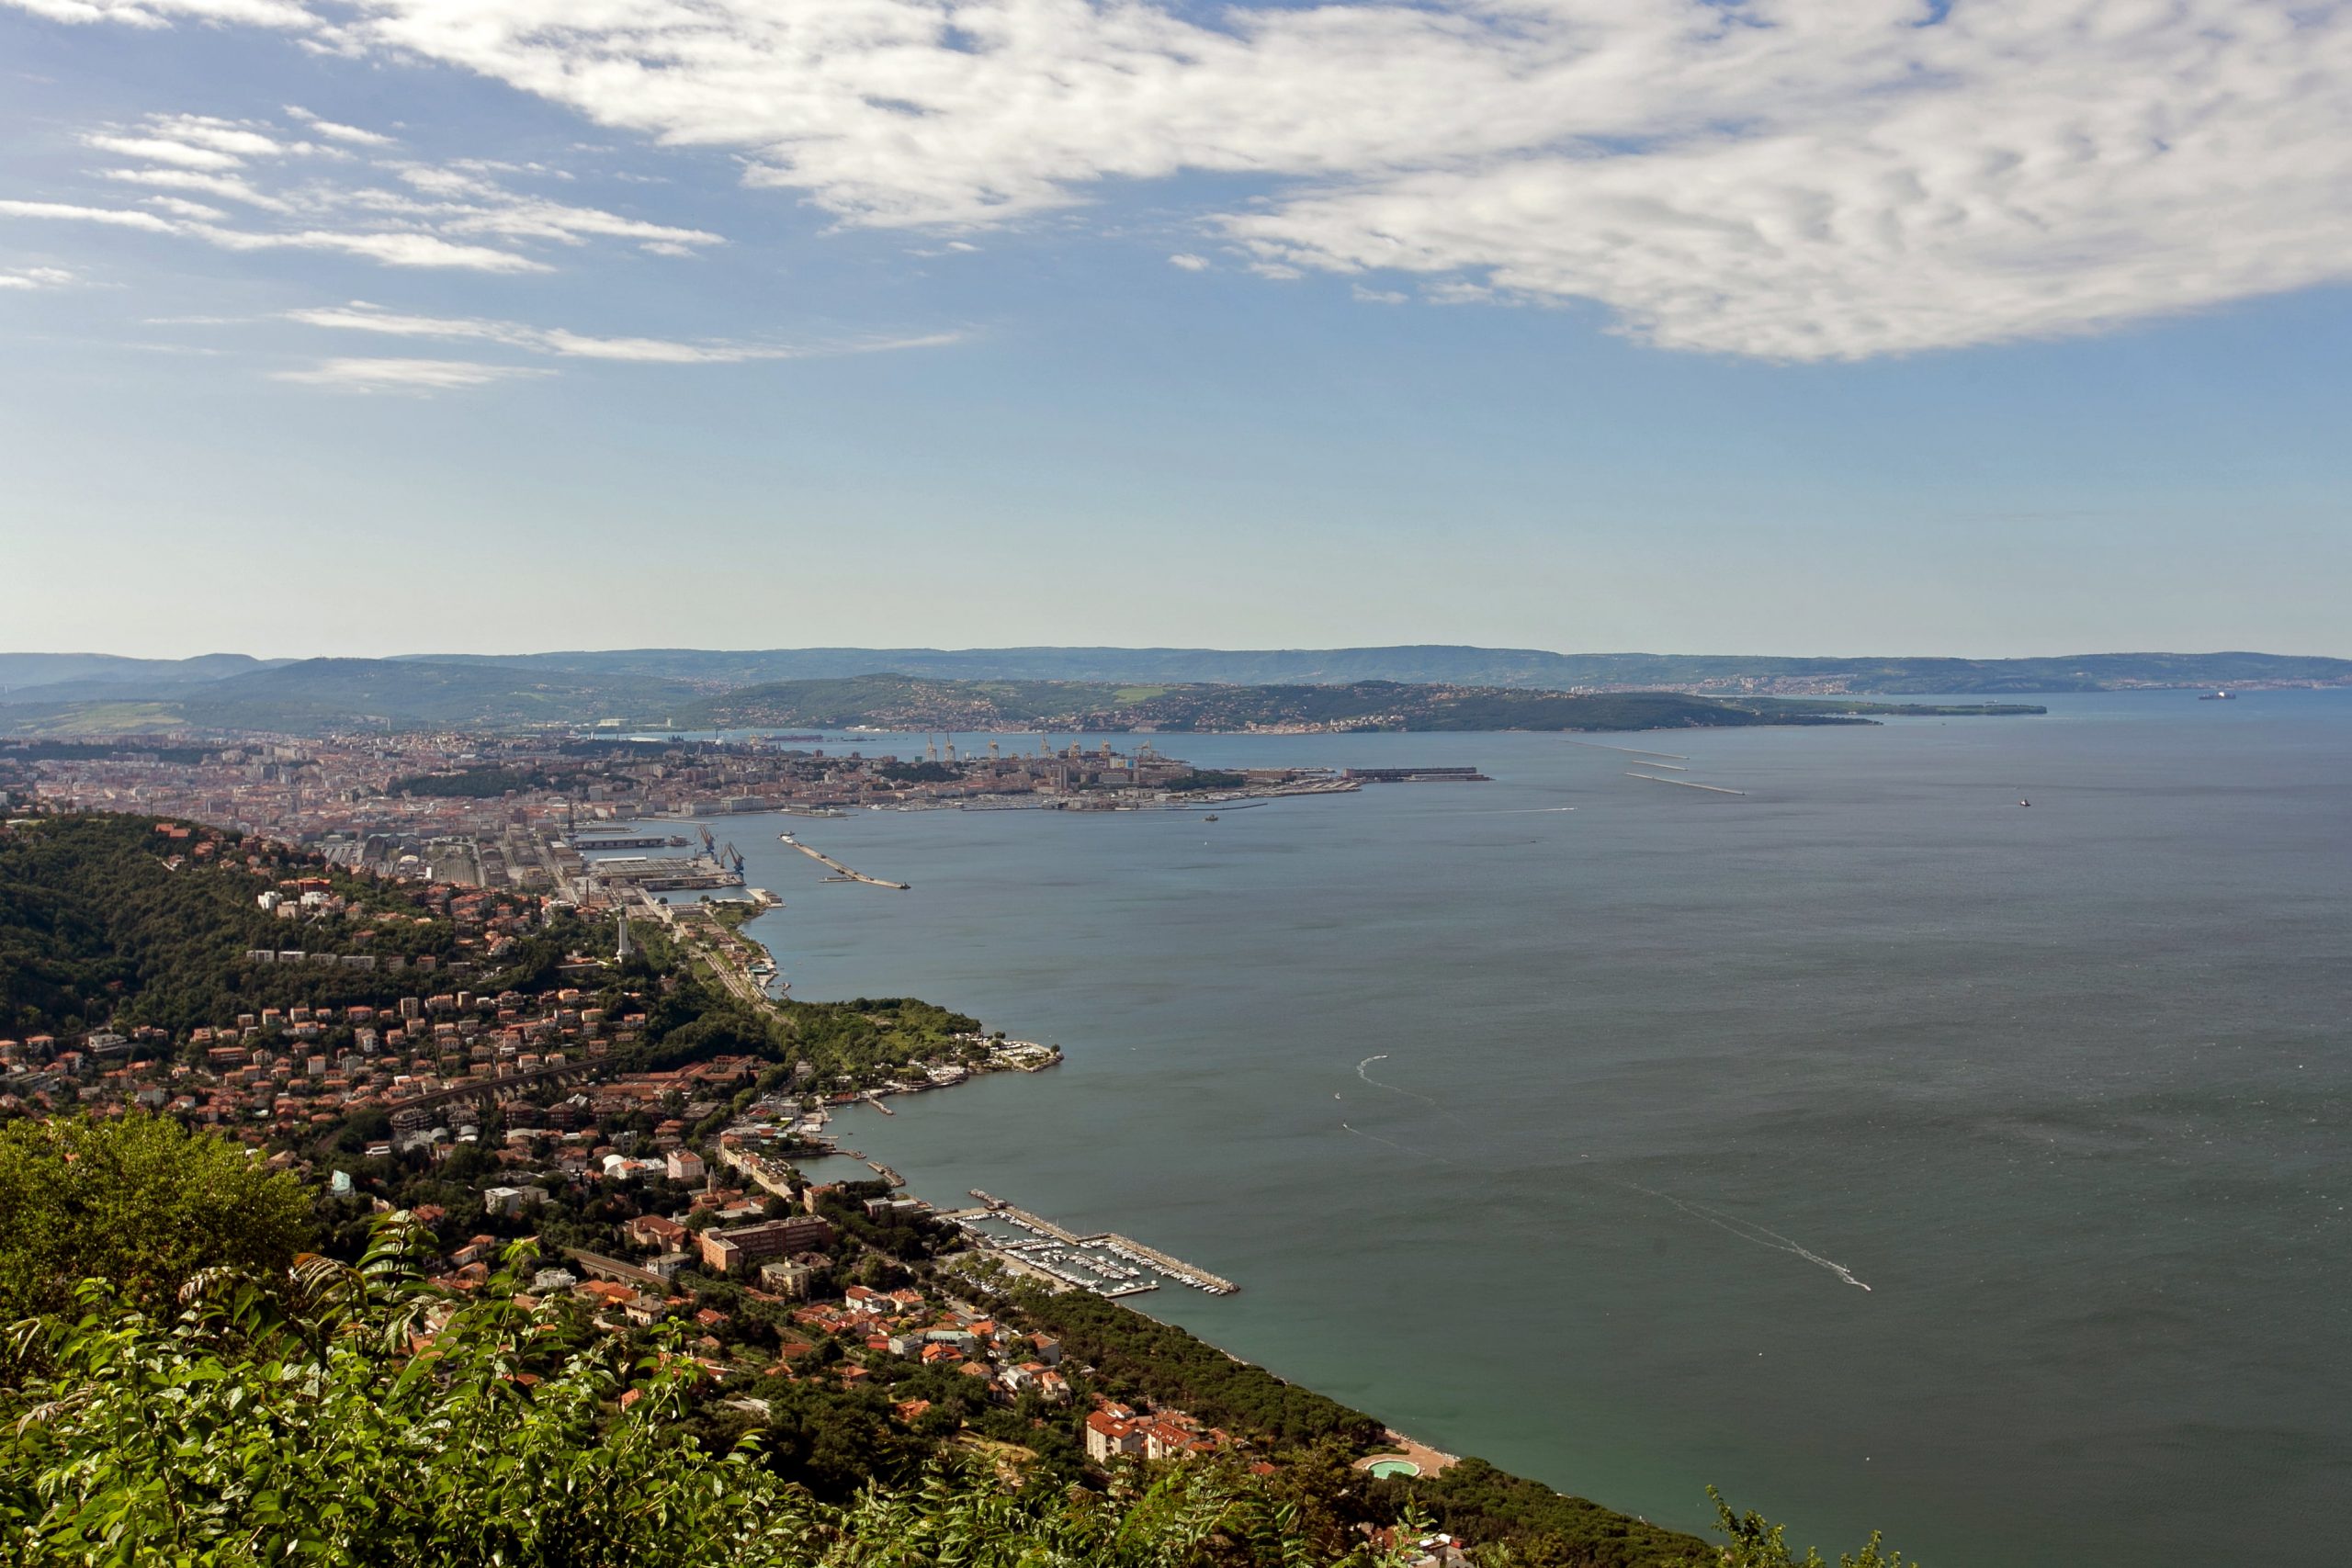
pixel 2065 1084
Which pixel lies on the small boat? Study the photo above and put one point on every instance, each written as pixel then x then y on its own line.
pixel 2218 697
pixel 1209 817
pixel 2023 801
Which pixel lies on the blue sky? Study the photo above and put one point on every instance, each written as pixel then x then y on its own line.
pixel 417 324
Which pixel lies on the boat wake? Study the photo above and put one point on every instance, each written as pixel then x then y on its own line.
pixel 1396 1088
pixel 1407 1148
pixel 1760 1235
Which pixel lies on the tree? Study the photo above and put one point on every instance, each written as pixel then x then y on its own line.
pixel 1756 1543
pixel 140 1202
pixel 335 1418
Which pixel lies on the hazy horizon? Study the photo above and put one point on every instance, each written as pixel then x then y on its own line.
pixel 2343 650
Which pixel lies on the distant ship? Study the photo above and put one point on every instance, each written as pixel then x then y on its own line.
pixel 1209 817
pixel 2218 697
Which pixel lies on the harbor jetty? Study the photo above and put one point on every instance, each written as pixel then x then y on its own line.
pixel 1686 784
pixel 840 873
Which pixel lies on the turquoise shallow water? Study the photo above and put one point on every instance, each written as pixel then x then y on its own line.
pixel 2066 1086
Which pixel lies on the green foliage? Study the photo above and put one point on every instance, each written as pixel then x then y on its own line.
pixel 1542 1528
pixel 1137 1354
pixel 141 1202
pixel 899 701
pixel 1756 1543
pixel 1205 778
pixel 338 1418
pixel 95 928
pixel 477 784
pixel 866 1032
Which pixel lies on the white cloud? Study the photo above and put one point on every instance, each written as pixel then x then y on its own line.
pixel 393 248
pixel 230 188
pixel 360 316
pixel 162 13
pixel 180 208
pixel 336 132
pixel 31 277
pixel 455 216
pixel 414 376
pixel 118 217
pixel 164 150
pixel 1189 262
pixel 1800 178
pixel 1791 179
pixel 396 248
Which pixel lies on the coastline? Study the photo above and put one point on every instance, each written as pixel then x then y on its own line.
pixel 1426 1460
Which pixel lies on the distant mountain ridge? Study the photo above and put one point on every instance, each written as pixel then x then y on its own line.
pixel 102 675
pixel 86 693
pixel 58 677
pixel 1452 664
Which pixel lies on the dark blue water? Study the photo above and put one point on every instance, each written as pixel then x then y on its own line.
pixel 2067 1086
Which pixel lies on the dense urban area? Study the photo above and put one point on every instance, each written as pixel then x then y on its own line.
pixel 524 813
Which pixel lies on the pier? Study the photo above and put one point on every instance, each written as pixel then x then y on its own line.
pixel 1174 1268
pixel 841 872
pixel 1416 775
pixel 1631 750
pixel 1686 784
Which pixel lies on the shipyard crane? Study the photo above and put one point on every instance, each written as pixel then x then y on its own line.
pixel 710 845
pixel 732 859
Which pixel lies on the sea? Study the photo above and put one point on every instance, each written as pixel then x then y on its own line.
pixel 1872 1145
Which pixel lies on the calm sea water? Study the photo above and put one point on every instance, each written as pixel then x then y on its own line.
pixel 1561 1137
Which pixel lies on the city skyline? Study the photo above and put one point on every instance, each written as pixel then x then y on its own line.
pixel 412 325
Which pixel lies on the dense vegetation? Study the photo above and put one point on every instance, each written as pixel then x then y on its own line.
pixel 1143 1355
pixel 325 693
pixel 96 927
pixel 901 701
pixel 477 784
pixel 1478 1502
pixel 292 1419
pixel 140 1202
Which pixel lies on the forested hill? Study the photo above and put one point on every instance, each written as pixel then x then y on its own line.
pixel 80 695
pixel 105 920
pixel 901 701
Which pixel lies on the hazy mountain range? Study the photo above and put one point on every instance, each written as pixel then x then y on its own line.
pixel 63 692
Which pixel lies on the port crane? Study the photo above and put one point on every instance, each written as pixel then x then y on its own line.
pixel 710 845
pixel 732 859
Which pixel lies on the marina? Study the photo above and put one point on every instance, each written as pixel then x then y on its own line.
pixel 1105 1262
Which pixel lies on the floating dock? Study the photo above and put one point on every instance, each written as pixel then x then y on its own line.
pixel 841 872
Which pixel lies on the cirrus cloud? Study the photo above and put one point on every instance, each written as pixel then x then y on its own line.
pixel 415 377
pixel 1797 179
pixel 362 317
